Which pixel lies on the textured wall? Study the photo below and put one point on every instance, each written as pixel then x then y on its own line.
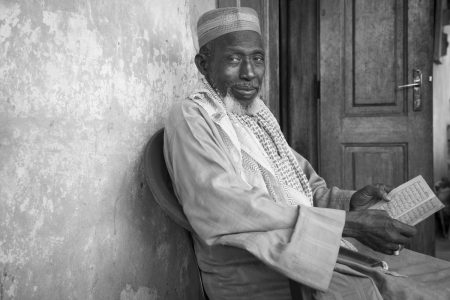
pixel 83 85
pixel 441 113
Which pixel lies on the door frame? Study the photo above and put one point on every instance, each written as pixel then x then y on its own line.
pixel 299 76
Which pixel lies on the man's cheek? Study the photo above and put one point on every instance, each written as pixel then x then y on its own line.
pixel 226 83
pixel 261 75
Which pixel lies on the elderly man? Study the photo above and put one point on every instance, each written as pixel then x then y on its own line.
pixel 260 212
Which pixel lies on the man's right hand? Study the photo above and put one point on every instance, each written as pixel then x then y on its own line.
pixel 376 229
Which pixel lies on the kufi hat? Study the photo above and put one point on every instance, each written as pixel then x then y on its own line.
pixel 220 21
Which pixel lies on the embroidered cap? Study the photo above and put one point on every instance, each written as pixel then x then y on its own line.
pixel 220 21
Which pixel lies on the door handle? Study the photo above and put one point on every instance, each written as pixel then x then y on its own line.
pixel 416 85
pixel 408 85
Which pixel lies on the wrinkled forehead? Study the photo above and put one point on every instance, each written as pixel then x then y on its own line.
pixel 239 41
pixel 219 22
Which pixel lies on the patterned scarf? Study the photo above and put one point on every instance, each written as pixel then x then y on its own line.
pixel 287 170
pixel 267 131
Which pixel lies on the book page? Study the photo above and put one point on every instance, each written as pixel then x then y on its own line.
pixel 411 202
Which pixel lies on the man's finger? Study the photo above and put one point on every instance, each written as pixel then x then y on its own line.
pixel 387 250
pixel 400 239
pixel 381 192
pixel 404 229
pixel 392 247
pixel 388 188
pixel 384 187
pixel 384 196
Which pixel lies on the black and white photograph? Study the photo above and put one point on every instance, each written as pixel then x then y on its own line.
pixel 224 149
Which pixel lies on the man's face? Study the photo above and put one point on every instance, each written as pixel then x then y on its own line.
pixel 237 65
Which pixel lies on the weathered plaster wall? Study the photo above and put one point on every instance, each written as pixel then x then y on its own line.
pixel 83 85
pixel 441 113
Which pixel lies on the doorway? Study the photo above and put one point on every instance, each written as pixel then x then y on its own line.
pixel 342 62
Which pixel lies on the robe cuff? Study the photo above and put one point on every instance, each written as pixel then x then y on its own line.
pixel 343 199
pixel 314 246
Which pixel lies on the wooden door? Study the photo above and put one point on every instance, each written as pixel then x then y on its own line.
pixel 369 132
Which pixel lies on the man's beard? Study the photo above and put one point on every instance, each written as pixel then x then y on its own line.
pixel 233 105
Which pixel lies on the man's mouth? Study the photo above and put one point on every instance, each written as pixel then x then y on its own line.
pixel 247 90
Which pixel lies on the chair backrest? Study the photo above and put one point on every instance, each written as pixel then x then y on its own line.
pixel 159 181
pixel 160 184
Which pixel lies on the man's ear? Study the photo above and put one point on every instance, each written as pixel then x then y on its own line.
pixel 202 63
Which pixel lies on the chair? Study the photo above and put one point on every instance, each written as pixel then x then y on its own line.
pixel 160 184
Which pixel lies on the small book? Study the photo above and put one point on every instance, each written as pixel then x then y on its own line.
pixel 411 202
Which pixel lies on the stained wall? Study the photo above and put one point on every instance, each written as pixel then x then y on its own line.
pixel 83 85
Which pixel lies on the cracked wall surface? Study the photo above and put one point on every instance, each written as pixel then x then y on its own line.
pixel 83 85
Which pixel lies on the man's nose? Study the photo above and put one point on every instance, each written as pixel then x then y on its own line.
pixel 247 70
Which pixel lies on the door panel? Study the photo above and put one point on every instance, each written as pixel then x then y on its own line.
pixel 368 130
pixel 379 163
pixel 373 44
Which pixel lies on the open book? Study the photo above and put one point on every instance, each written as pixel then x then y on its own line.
pixel 411 202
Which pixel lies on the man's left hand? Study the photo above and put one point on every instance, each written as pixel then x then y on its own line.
pixel 368 196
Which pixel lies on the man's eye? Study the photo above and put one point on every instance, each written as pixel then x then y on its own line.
pixel 259 58
pixel 234 59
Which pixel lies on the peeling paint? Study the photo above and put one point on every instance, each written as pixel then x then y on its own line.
pixel 143 293
pixel 83 85
pixel 9 17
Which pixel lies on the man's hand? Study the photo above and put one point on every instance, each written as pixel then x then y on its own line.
pixel 376 229
pixel 368 196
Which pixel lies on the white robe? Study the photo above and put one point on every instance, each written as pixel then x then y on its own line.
pixel 246 244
